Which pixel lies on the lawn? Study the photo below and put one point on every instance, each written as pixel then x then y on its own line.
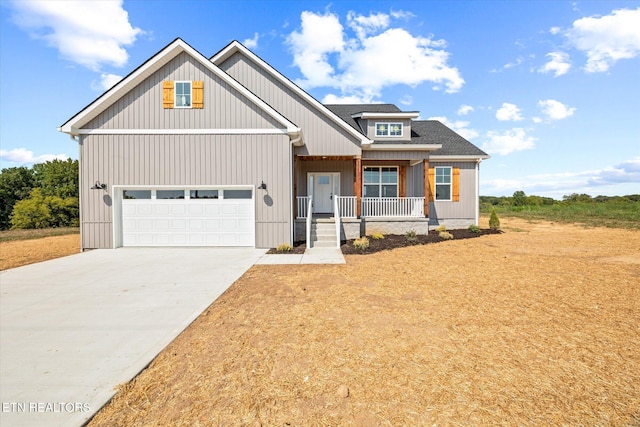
pixel 21 247
pixel 535 326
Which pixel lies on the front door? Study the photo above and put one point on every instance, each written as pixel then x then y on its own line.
pixel 325 186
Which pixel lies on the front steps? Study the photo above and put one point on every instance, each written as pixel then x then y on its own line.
pixel 323 233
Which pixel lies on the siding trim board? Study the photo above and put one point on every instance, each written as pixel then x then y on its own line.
pixel 183 132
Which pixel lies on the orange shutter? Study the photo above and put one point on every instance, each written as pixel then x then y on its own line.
pixel 456 185
pixel 197 91
pixel 432 186
pixel 167 94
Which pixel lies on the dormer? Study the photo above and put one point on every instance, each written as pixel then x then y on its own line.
pixel 386 127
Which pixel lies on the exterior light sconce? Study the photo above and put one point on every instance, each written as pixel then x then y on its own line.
pixel 263 186
pixel 99 186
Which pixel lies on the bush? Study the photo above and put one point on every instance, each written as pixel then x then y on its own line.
pixel 39 211
pixel 441 228
pixel 377 236
pixel 284 248
pixel 410 236
pixel 474 229
pixel 494 222
pixel 361 243
pixel 445 235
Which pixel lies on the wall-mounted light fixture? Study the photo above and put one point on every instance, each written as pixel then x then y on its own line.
pixel 263 186
pixel 98 186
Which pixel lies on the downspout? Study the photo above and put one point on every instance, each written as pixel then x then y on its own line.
pixel 478 192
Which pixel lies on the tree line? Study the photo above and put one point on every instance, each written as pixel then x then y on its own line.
pixel 43 196
pixel 519 200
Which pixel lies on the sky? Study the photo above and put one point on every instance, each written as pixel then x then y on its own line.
pixel 550 89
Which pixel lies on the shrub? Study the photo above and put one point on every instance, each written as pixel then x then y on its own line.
pixel 441 228
pixel 410 236
pixel 361 243
pixel 39 211
pixel 474 229
pixel 377 236
pixel 446 235
pixel 284 248
pixel 494 222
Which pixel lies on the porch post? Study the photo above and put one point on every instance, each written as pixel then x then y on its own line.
pixel 427 192
pixel 357 184
pixel 295 187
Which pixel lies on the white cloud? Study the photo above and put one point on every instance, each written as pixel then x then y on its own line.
pixel 555 30
pixel 563 183
pixel 107 81
pixel 378 56
pixel 251 43
pixel 89 33
pixel 509 141
pixel 23 156
pixel 406 100
pixel 347 99
pixel 558 63
pixel 464 110
pixel 459 126
pixel 554 110
pixel 607 39
pixel 508 112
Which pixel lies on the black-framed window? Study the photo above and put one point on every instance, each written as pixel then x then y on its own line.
pixel 380 181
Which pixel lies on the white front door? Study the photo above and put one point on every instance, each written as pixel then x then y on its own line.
pixel 324 187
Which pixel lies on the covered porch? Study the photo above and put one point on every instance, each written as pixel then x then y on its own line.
pixel 362 195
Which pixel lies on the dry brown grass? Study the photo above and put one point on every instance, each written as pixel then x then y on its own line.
pixel 537 326
pixel 21 252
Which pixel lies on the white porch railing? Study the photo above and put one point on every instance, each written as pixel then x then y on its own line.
pixel 309 207
pixel 393 206
pixel 302 206
pixel 345 206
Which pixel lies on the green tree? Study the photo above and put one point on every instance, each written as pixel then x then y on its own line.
pixel 494 222
pixel 31 212
pixel 15 184
pixel 519 198
pixel 577 198
pixel 57 178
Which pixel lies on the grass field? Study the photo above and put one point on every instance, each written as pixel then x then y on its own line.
pixel 13 235
pixel 612 214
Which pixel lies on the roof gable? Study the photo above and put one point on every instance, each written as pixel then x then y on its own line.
pixel 236 47
pixel 152 65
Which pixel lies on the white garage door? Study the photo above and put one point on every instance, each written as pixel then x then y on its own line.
pixel 188 217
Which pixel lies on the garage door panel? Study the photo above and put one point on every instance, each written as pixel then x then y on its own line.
pixel 188 222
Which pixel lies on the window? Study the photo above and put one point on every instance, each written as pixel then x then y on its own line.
pixel 380 182
pixel 169 194
pixel 183 95
pixel 203 194
pixel 388 129
pixel 443 183
pixel 237 194
pixel 136 194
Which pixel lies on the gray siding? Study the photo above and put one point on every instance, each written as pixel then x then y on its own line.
pixel 224 107
pixel 345 167
pixel 466 207
pixel 321 135
pixel 394 155
pixel 183 160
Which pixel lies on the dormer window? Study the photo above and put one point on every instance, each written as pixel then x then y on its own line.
pixel 389 129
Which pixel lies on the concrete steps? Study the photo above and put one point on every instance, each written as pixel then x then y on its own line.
pixel 323 233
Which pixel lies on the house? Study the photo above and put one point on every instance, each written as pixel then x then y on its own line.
pixel 226 151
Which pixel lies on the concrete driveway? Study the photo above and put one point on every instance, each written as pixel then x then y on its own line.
pixel 73 328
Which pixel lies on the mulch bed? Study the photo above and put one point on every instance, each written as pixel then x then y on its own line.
pixel 393 241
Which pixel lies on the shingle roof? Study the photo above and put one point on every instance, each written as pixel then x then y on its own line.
pixel 422 131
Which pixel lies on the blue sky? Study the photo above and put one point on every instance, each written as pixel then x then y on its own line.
pixel 549 88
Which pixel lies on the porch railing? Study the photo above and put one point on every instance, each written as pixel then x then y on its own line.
pixel 302 202
pixel 346 206
pixel 393 206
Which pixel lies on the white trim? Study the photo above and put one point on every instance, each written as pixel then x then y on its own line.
pixel 477 195
pixel 435 184
pixel 400 115
pixel 236 46
pixel 182 132
pixel 402 147
pixel 175 95
pixel 437 158
pixel 151 66
pixel 389 124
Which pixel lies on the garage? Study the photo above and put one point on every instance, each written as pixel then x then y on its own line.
pixel 223 216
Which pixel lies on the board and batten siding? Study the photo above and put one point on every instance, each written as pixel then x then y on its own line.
pixel 224 107
pixel 181 161
pixel 322 136
pixel 344 167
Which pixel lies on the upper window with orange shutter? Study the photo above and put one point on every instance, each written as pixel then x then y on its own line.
pixel 183 94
